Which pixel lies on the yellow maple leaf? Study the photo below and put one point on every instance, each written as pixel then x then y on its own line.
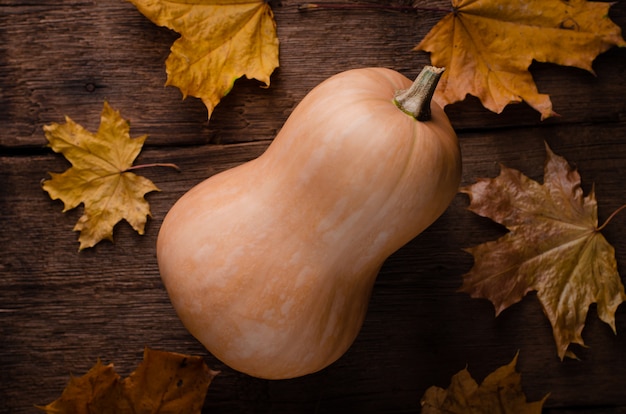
pixel 488 45
pixel 221 41
pixel 100 176
pixel 554 246
pixel 164 382
pixel 499 393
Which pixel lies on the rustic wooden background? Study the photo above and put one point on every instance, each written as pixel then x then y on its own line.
pixel 61 310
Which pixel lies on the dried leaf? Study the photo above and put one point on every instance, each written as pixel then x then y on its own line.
pixel 221 41
pixel 488 45
pixel 99 177
pixel 164 383
pixel 82 395
pixel 553 247
pixel 500 393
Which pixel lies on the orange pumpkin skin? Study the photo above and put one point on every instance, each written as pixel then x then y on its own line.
pixel 271 264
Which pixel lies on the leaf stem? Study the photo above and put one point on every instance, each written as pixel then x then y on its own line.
pixel 346 6
pixel 611 217
pixel 167 165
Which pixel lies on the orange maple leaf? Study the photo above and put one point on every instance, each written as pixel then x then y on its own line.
pixel 164 383
pixel 500 393
pixel 221 41
pixel 488 45
pixel 554 246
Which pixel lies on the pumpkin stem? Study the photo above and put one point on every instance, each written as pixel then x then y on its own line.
pixel 415 101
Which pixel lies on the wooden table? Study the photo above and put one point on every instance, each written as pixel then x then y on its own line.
pixel 61 310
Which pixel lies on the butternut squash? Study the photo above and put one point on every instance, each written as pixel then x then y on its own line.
pixel 271 264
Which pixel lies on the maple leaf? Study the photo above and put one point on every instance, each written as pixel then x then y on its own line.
pixel 500 393
pixel 100 176
pixel 221 41
pixel 164 382
pixel 554 246
pixel 488 45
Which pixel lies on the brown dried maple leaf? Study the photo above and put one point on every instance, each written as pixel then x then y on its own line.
pixel 487 46
pixel 554 246
pixel 164 383
pixel 220 42
pixel 500 393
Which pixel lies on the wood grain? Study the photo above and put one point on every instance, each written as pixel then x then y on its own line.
pixel 60 310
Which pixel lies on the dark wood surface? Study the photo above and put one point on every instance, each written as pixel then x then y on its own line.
pixel 61 310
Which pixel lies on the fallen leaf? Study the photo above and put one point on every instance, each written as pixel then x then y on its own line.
pixel 500 393
pixel 100 176
pixel 553 246
pixel 82 395
pixel 487 46
pixel 221 41
pixel 163 383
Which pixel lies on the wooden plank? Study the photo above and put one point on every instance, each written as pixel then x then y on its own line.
pixel 61 310
pixel 67 61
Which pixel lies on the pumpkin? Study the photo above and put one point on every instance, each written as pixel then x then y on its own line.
pixel 271 264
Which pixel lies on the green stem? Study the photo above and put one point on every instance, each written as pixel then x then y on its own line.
pixel 416 100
